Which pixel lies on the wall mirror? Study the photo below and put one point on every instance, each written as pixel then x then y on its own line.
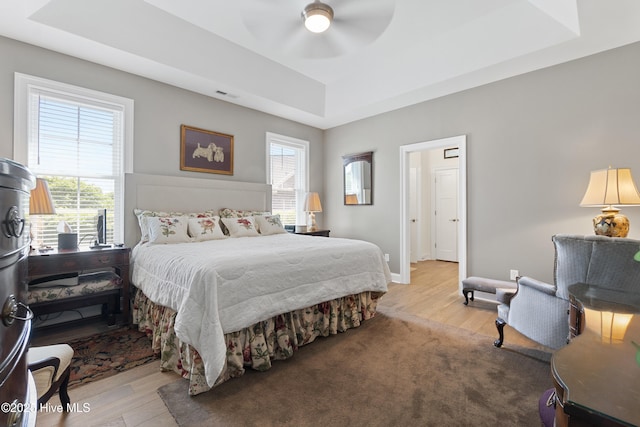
pixel 358 178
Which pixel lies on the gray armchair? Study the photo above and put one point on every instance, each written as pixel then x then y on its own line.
pixel 540 310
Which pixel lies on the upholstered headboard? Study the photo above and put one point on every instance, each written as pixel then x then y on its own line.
pixel 180 194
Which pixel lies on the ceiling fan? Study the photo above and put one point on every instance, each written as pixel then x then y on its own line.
pixel 281 25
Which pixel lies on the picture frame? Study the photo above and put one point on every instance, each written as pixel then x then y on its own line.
pixel 451 153
pixel 204 150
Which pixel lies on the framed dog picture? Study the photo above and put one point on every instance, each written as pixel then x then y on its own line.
pixel 205 151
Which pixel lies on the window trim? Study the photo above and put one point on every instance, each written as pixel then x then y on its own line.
pixel 24 83
pixel 293 143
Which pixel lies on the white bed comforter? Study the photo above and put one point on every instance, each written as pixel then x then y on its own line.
pixel 222 286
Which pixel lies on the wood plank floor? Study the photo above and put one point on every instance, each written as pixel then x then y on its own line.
pixel 130 398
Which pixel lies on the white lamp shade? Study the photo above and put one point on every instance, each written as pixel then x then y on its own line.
pixel 312 203
pixel 611 187
pixel 40 202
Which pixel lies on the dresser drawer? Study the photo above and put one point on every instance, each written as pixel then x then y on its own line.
pixel 76 262
pixel 104 259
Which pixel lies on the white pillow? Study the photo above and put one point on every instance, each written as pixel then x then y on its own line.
pixel 143 215
pixel 269 224
pixel 241 227
pixel 168 230
pixel 208 228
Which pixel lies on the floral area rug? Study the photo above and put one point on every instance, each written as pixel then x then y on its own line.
pixel 103 355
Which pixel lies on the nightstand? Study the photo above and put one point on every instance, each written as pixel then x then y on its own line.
pixel 82 261
pixel 305 231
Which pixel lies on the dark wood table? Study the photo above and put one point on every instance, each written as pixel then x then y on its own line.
pixel 83 260
pixel 306 231
pixel 597 375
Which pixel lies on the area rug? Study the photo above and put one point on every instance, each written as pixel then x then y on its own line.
pixel 106 354
pixel 393 370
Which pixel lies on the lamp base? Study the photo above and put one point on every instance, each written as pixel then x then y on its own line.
pixel 312 221
pixel 611 224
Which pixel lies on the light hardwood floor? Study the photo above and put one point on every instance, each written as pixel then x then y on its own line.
pixel 130 398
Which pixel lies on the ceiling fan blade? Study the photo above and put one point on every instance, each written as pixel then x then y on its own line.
pixel 280 25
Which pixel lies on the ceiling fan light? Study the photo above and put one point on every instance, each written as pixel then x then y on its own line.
pixel 317 17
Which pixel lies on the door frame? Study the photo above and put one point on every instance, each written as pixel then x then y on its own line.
pixel 459 141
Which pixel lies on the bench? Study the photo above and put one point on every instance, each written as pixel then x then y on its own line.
pixel 103 288
pixel 491 286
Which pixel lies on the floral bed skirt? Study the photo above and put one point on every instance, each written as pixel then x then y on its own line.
pixel 256 346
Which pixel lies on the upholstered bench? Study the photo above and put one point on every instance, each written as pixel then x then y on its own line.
pixel 103 287
pixel 502 288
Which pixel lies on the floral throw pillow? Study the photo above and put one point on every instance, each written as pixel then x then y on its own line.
pixel 143 216
pixel 241 227
pixel 168 229
pixel 207 228
pixel 238 213
pixel 269 224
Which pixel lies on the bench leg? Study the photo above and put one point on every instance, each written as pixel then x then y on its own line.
pixel 466 293
pixel 500 325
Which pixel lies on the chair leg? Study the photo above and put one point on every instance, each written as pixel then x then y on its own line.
pixel 62 391
pixel 500 325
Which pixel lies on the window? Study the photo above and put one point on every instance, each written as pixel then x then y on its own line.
pixel 74 138
pixel 287 172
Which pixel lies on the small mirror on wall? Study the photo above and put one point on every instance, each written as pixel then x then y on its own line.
pixel 358 178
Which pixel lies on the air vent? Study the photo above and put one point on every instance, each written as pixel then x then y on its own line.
pixel 228 95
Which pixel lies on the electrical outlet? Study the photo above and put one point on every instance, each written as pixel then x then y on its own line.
pixel 386 257
pixel 513 274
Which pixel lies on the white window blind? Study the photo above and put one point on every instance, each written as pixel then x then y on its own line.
pixel 287 174
pixel 76 144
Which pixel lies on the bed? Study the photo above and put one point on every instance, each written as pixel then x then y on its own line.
pixel 252 293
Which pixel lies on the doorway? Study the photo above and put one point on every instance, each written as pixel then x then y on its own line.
pixel 405 211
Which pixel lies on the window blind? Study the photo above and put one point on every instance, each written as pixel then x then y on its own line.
pixel 76 144
pixel 288 181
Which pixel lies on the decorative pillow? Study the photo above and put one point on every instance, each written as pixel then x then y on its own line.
pixel 238 213
pixel 241 227
pixel 143 216
pixel 168 230
pixel 269 224
pixel 207 228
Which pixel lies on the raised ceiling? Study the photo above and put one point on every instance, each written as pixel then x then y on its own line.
pixel 379 55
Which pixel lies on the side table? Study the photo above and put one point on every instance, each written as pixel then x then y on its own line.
pixel 596 376
pixel 80 261
pixel 307 232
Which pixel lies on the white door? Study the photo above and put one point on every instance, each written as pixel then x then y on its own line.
pixel 446 214
pixel 414 214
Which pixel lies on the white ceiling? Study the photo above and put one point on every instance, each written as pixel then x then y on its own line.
pixel 420 49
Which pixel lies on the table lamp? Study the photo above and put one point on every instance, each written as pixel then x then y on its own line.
pixel 312 205
pixel 40 203
pixel 609 188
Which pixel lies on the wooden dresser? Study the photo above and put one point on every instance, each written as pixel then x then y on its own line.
pixel 16 408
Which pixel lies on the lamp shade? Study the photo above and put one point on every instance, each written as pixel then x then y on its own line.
pixel 611 186
pixel 312 203
pixel 40 202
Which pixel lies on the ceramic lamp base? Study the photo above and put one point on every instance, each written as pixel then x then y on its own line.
pixel 611 224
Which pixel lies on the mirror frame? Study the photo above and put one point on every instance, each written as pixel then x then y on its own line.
pixel 351 158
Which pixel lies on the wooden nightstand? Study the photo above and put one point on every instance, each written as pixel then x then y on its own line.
pixel 82 261
pixel 305 231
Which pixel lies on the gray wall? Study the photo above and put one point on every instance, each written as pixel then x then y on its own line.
pixel 532 141
pixel 160 109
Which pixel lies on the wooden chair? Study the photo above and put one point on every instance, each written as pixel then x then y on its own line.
pixel 51 367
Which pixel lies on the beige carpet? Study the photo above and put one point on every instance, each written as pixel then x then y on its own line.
pixel 391 371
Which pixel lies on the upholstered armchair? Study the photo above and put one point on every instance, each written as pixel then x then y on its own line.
pixel 540 310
